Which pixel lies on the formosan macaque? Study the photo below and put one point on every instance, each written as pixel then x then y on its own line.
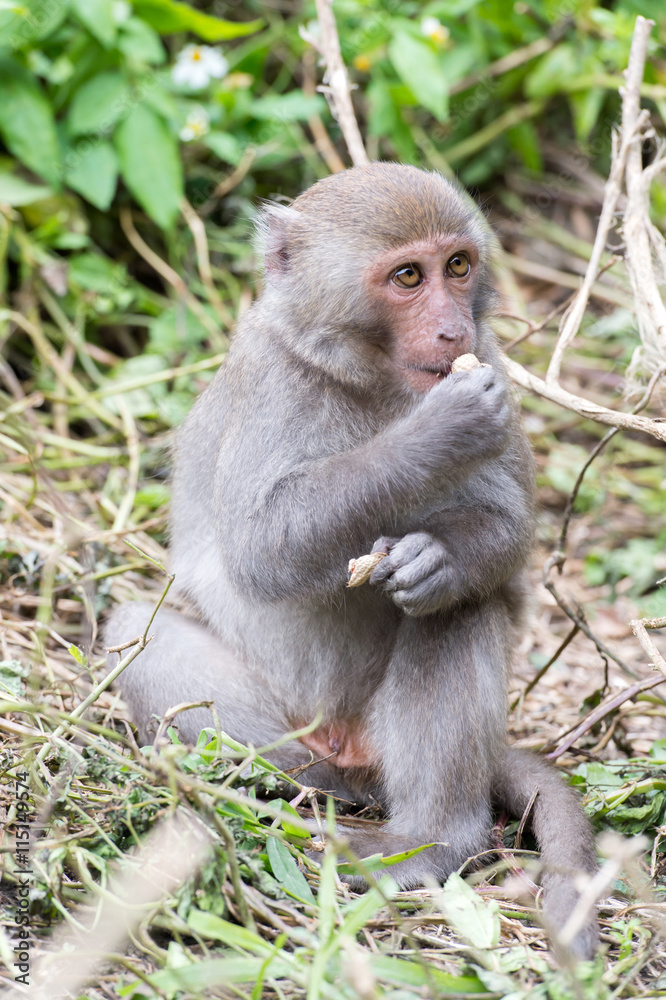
pixel 334 428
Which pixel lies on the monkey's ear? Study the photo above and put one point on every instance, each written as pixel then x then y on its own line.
pixel 277 229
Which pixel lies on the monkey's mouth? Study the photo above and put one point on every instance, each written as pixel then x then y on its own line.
pixel 440 370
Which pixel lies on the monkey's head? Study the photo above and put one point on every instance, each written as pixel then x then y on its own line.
pixel 386 260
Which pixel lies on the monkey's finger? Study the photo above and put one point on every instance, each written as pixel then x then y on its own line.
pixel 384 570
pixel 428 562
pixel 486 376
pixel 384 544
pixel 424 599
pixel 382 575
pixel 404 552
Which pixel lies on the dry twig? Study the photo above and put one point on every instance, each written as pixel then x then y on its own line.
pixel 228 183
pixel 198 230
pixel 642 244
pixel 323 143
pixel 645 253
pixel 167 272
pixel 639 627
pixel 336 81
pixel 585 407
pixel 601 711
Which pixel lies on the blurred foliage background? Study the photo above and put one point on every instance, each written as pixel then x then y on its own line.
pixel 106 103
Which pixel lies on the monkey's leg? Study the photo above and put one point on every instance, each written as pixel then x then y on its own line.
pixel 185 662
pixel 564 835
pixel 437 728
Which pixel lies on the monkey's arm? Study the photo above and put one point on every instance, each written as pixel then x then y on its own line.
pixel 295 533
pixel 479 539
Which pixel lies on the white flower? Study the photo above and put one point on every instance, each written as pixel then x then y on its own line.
pixel 196 126
pixel 197 65
pixel 432 28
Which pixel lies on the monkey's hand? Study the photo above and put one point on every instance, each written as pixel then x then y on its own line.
pixel 478 415
pixel 416 573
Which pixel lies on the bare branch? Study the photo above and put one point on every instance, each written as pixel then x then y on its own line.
pixel 584 407
pixel 228 183
pixel 323 143
pixel 573 317
pixel 638 627
pixel 643 264
pixel 601 711
pixel 645 252
pixel 337 83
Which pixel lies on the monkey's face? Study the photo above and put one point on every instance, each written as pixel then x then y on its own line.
pixel 423 294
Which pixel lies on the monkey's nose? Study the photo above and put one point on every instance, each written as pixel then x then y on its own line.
pixel 447 335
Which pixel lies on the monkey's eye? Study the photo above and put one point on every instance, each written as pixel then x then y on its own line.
pixel 407 276
pixel 458 266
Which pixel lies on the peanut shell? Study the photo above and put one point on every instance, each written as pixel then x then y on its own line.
pixel 362 567
pixel 466 363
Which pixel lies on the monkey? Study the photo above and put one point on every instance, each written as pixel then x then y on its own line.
pixel 336 427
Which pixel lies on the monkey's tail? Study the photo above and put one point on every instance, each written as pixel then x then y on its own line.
pixel 565 839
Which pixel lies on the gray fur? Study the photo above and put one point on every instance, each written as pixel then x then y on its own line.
pixel 308 450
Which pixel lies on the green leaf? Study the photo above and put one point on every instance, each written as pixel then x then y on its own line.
pixel 153 495
pixel 209 973
pixel 168 16
pixel 525 141
pixel 602 778
pixel 458 62
pixel 296 829
pixel 27 125
pixel 401 973
pixel 15 191
pixel 286 871
pixel 92 170
pixel 377 862
pixel 225 146
pixel 382 114
pixel 138 41
pixel 554 72
pixel 150 164
pixel 98 104
pixel 78 655
pixel 97 17
pixel 31 21
pixel 586 108
pixel 12 673
pixel 95 273
pixel 421 70
pixel 145 401
pixel 475 919
pixel 174 329
pixel 209 925
pixel 292 107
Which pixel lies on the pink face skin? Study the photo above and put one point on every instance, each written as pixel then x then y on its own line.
pixel 423 293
